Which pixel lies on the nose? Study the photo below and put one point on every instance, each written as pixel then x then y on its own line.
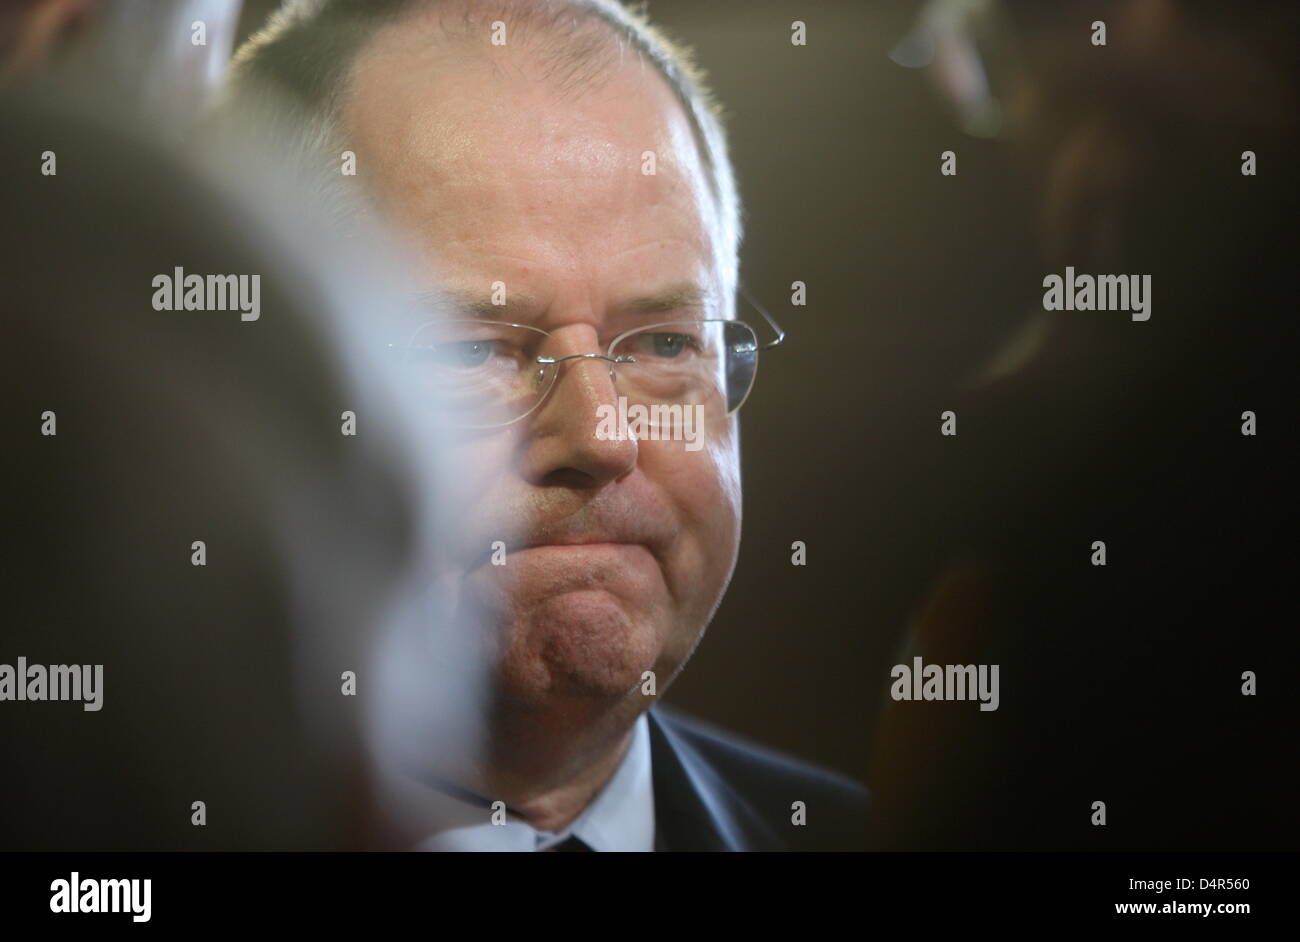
pixel 567 442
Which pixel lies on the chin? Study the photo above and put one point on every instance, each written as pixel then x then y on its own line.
pixel 579 647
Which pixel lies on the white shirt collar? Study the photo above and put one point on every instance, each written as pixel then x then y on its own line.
pixel 620 818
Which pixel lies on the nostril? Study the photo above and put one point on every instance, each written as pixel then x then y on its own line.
pixel 572 478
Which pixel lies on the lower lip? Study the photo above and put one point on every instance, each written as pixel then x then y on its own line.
pixel 593 547
pixel 628 556
pixel 606 555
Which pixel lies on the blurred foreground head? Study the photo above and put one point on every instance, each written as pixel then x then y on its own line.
pixel 166 59
pixel 219 506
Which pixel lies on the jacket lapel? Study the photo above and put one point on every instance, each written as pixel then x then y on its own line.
pixel 695 809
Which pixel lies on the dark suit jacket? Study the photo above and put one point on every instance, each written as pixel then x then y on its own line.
pixel 715 791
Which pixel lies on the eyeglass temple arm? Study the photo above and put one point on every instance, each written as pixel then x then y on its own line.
pixel 780 334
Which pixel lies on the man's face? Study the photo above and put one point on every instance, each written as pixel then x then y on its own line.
pixel 617 552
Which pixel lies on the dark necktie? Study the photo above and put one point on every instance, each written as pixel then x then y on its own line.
pixel 571 845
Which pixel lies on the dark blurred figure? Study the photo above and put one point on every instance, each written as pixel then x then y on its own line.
pixel 1123 683
pixel 223 682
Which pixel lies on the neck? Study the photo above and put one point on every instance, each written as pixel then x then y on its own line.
pixel 549 764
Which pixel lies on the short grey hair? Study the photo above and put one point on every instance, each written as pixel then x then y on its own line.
pixel 306 52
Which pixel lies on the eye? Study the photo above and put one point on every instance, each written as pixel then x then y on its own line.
pixel 669 345
pixel 465 354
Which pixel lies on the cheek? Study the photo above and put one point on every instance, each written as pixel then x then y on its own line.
pixel 704 488
pixel 725 462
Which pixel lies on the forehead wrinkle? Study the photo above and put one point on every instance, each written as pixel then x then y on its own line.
pixel 434 142
pixel 466 44
pixel 445 157
pixel 420 115
pixel 563 44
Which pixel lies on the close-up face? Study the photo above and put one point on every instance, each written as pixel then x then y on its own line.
pixel 611 553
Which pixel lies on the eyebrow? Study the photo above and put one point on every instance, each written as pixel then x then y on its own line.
pixel 677 297
pixel 522 307
pixel 467 304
